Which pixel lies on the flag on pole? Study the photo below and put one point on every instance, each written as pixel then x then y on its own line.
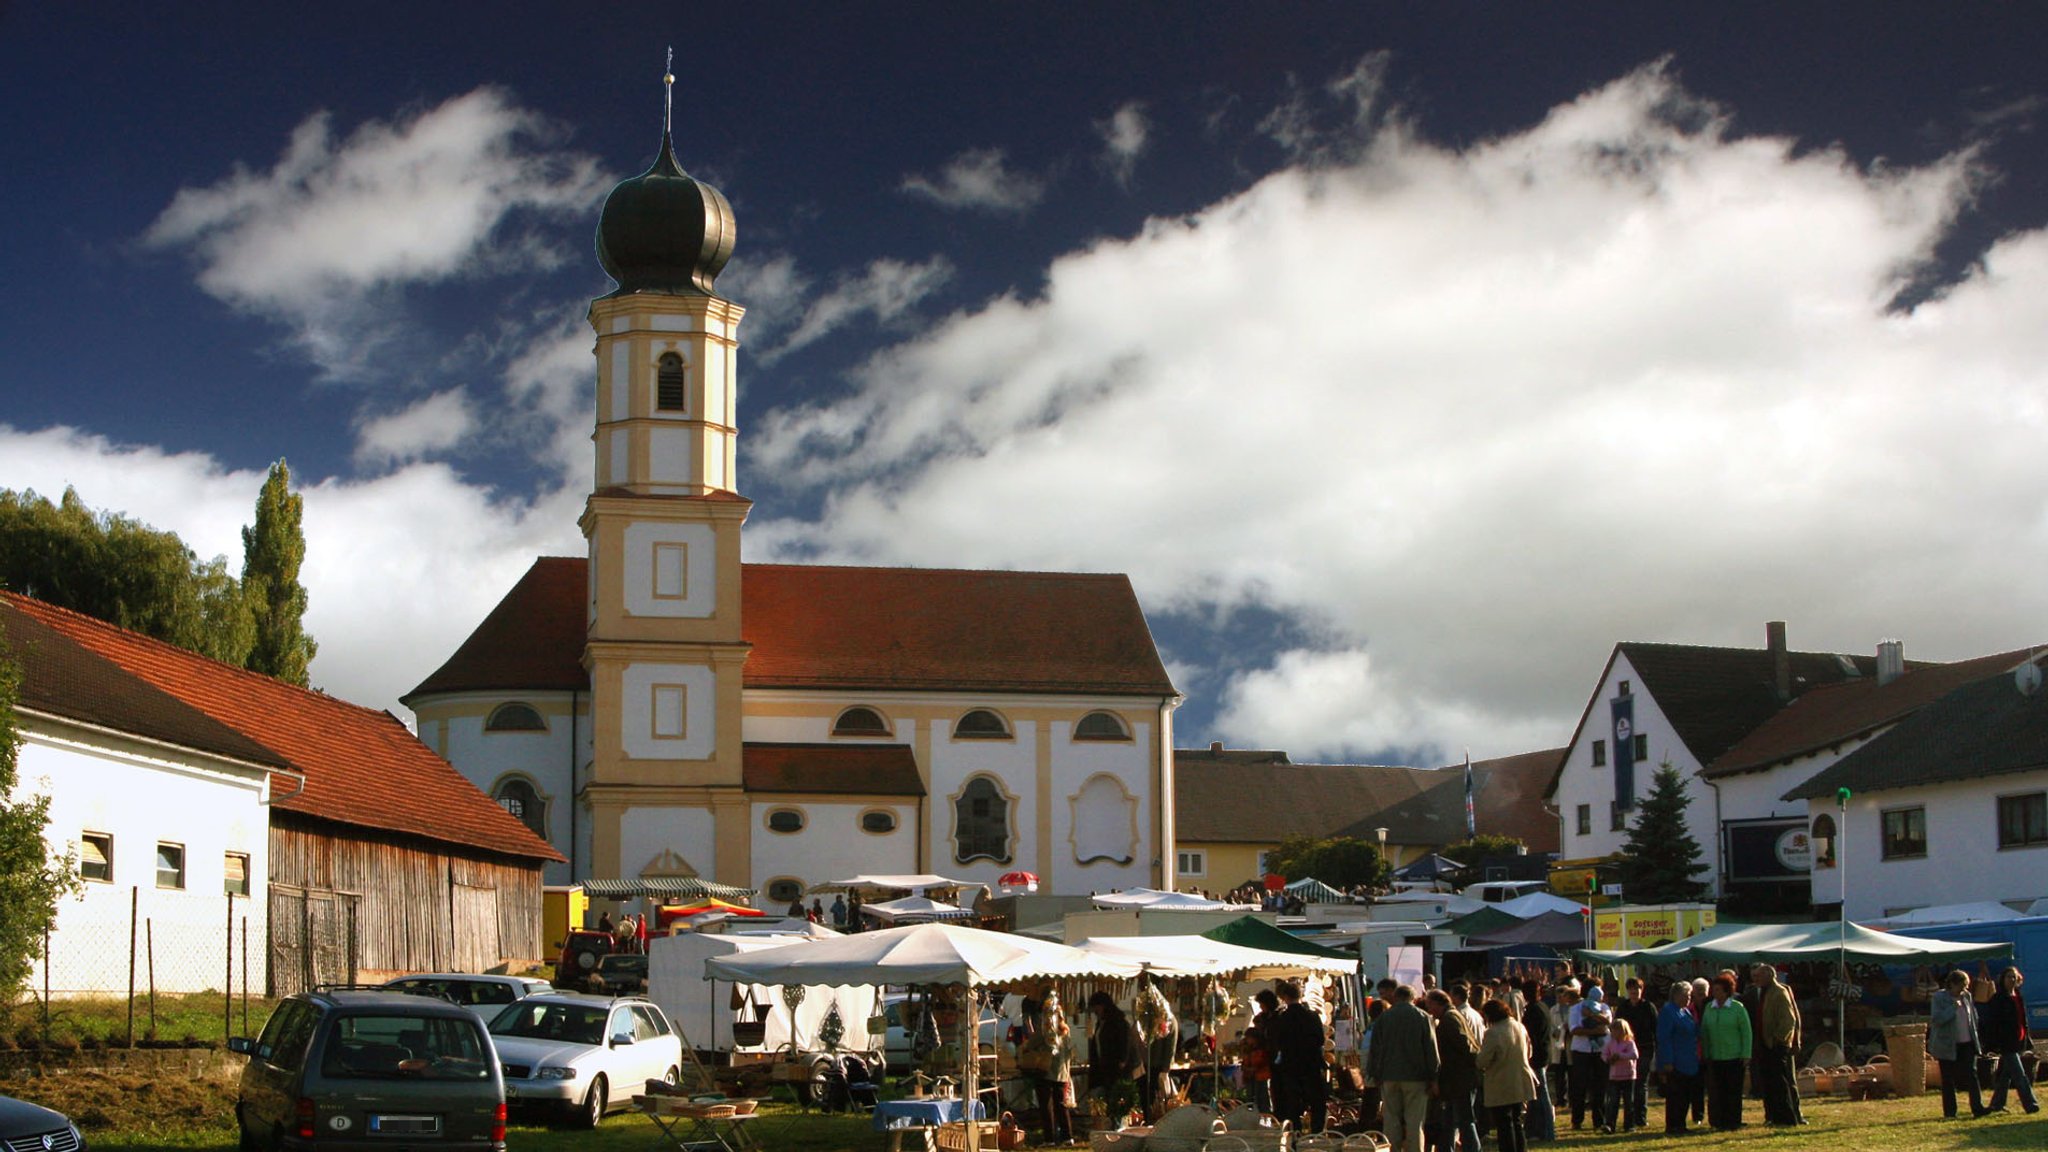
pixel 1471 822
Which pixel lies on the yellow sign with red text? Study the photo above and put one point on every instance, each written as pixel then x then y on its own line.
pixel 1648 926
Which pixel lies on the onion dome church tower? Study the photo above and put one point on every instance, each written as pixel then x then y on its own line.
pixel 664 650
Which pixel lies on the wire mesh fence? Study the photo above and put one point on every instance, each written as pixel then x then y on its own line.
pixel 154 975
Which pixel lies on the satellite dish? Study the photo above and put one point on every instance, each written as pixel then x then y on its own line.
pixel 2028 679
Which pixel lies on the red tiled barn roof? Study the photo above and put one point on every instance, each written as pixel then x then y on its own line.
pixel 866 769
pixel 361 766
pixel 815 626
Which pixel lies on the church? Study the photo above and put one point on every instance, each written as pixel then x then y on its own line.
pixel 657 709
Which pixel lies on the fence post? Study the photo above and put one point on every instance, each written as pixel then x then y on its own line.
pixel 245 974
pixel 227 988
pixel 149 954
pixel 134 910
pixel 46 985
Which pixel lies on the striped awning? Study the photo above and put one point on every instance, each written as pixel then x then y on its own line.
pixel 689 887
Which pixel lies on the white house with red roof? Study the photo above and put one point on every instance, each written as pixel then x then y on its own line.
pixel 190 792
pixel 660 711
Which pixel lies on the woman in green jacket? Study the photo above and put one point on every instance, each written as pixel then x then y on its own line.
pixel 1725 1048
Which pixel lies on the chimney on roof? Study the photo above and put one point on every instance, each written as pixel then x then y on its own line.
pixel 1215 746
pixel 1781 660
pixel 1891 660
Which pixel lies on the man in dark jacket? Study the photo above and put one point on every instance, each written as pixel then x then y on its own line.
pixel 1111 1056
pixel 1300 1078
pixel 1457 1078
pixel 1641 1015
pixel 2004 1021
pixel 1542 1121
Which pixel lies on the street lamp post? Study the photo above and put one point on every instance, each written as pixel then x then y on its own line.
pixel 1842 877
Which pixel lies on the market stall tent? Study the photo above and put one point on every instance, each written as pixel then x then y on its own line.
pixel 1794 943
pixel 921 954
pixel 1252 932
pixel 1152 898
pixel 703 1008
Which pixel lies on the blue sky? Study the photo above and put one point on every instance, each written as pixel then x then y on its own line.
pixel 1406 356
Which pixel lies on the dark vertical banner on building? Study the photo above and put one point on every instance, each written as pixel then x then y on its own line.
pixel 1624 752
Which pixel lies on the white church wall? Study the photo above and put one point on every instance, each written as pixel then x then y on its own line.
pixel 832 843
pixel 1086 828
pixel 645 833
pixel 455 728
pixel 142 797
pixel 1013 764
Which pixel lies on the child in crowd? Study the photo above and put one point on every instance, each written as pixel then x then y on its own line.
pixel 1621 1056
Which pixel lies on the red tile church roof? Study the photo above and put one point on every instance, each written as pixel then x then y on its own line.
pixel 877 629
pixel 361 766
pixel 863 769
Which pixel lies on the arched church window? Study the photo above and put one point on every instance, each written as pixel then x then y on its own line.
pixel 519 797
pixel 1824 841
pixel 860 722
pixel 1101 726
pixel 668 383
pixel 981 823
pixel 981 724
pixel 515 717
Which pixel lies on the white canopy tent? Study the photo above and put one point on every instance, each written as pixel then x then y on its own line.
pixel 675 981
pixel 1201 956
pixel 923 954
pixel 1153 898
pixel 918 883
pixel 1983 910
pixel 916 910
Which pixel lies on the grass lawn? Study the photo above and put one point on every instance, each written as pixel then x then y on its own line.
pixel 1913 1125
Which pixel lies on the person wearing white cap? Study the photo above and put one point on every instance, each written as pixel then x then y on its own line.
pixel 1587 1023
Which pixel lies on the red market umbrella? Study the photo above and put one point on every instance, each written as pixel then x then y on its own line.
pixel 1025 880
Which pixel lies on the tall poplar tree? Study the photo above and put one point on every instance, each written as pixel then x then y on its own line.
pixel 1661 860
pixel 31 881
pixel 272 550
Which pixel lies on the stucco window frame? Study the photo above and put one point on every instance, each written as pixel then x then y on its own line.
pixel 492 728
pixel 1009 731
pixel 895 821
pixel 803 819
pixel 768 889
pixel 1011 803
pixel 541 800
pixel 886 732
pixel 1123 734
pixel 1131 806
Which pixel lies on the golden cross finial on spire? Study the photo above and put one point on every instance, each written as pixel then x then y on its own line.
pixel 668 89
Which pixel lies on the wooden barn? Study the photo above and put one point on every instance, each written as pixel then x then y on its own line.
pixel 381 858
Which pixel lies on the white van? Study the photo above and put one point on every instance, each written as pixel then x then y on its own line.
pixel 1495 891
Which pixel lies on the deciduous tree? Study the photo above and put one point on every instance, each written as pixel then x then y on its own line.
pixel 1339 861
pixel 32 880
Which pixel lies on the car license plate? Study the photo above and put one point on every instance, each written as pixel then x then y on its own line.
pixel 405 1125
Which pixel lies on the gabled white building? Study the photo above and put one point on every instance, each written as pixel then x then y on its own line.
pixel 1681 704
pixel 1948 806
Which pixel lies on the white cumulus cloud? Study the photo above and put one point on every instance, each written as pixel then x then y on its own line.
pixel 1124 136
pixel 1473 415
pixel 432 424
pixel 322 239
pixel 979 180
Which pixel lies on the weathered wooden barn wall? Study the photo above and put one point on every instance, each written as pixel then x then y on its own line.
pixel 398 904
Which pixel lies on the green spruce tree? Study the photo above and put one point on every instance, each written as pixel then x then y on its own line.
pixel 31 881
pixel 272 550
pixel 1661 861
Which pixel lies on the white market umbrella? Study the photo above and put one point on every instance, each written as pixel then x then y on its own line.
pixel 1533 904
pixel 1201 956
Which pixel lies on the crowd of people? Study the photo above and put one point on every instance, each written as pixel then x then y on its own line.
pixel 1511 1061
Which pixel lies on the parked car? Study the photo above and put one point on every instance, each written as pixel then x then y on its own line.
pixel 32 1126
pixel 584 1055
pixel 484 992
pixel 620 974
pixel 352 1069
pixel 581 950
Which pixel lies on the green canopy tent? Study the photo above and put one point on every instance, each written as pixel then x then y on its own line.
pixel 1487 919
pixel 1794 943
pixel 1252 932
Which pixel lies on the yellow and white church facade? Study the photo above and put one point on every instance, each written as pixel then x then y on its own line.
pixel 657 708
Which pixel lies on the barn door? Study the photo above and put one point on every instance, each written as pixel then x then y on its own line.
pixel 312 938
pixel 474 912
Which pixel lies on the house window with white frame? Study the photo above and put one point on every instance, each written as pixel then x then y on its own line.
pixel 170 865
pixel 1191 863
pixel 96 856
